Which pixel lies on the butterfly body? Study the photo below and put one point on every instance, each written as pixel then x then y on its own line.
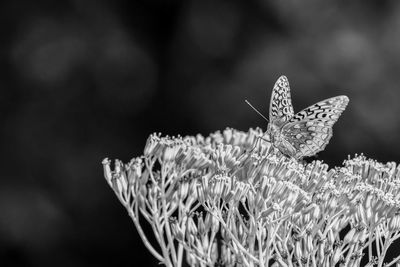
pixel 279 140
pixel 306 133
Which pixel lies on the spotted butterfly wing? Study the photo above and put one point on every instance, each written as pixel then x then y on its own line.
pixel 280 108
pixel 310 130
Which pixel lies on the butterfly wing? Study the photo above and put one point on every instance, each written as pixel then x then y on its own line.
pixel 310 130
pixel 280 108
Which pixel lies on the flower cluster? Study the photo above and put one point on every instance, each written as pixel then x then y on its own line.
pixel 231 199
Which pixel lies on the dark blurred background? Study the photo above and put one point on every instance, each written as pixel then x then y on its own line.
pixel 85 80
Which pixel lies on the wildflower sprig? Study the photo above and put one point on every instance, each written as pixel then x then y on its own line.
pixel 230 200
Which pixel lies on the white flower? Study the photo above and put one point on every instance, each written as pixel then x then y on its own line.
pixel 240 193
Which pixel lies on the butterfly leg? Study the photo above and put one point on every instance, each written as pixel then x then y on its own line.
pixel 262 137
pixel 257 142
pixel 247 154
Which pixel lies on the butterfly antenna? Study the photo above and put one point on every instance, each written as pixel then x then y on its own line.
pixel 259 113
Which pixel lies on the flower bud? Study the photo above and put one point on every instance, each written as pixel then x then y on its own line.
pixel 337 255
pixel 394 223
pixel 183 190
pixel 191 227
pixel 176 231
pixel 215 224
pixel 321 249
pixel 309 246
pixel 330 237
pixel 201 226
pixel 349 237
pixel 297 250
pixel 107 170
pixel 191 259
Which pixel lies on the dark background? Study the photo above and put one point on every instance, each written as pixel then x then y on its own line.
pixel 85 80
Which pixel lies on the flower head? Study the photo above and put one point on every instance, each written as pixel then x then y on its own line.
pixel 234 189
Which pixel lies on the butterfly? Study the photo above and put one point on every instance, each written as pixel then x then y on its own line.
pixel 307 132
